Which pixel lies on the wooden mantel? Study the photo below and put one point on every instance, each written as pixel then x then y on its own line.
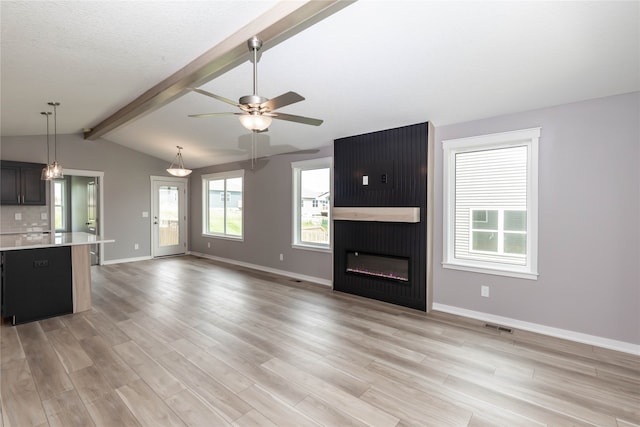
pixel 402 214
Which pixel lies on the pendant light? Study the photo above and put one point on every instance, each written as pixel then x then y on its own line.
pixel 178 171
pixel 55 168
pixel 46 171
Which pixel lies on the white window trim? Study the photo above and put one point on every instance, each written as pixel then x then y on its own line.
pixel 525 137
pixel 296 168
pixel 205 203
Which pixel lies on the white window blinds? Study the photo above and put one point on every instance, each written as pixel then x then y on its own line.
pixel 488 183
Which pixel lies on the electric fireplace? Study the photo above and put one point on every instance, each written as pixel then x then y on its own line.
pixel 379 266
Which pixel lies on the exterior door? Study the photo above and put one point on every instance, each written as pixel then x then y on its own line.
pixel 169 216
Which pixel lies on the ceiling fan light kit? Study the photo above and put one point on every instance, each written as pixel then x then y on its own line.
pixel 258 111
pixel 180 170
pixel 255 122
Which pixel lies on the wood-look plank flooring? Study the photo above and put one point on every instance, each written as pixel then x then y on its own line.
pixel 190 342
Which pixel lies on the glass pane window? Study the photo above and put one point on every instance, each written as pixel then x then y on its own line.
pixel 222 196
pixel 168 216
pixel 233 215
pixel 498 231
pixel 59 211
pixel 312 202
pixel 490 203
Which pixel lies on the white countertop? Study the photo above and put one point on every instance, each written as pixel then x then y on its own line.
pixel 12 242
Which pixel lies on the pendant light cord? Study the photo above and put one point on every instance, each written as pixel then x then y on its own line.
pixel 47 114
pixel 55 104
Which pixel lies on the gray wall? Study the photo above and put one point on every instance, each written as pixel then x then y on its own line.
pixel 126 184
pixel 267 219
pixel 589 222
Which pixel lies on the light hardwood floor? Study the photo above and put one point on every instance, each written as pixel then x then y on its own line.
pixel 188 341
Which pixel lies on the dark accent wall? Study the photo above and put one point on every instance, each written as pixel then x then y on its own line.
pixel 395 162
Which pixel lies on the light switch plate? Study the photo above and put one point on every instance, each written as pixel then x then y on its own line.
pixel 365 179
pixel 145 214
pixel 43 215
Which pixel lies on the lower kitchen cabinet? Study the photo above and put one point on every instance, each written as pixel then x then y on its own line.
pixel 36 283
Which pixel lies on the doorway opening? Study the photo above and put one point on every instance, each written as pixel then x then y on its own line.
pixel 78 206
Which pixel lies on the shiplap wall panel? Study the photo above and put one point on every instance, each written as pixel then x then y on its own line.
pixel 401 155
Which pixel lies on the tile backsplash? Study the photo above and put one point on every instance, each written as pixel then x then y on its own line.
pixel 31 219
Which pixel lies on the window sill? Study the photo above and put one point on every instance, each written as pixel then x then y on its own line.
pixel 224 237
pixel 494 271
pixel 325 249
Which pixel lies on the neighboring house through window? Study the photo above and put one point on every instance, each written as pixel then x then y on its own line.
pixel 222 204
pixel 311 202
pixel 491 203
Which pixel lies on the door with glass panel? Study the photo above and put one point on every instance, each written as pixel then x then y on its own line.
pixel 169 217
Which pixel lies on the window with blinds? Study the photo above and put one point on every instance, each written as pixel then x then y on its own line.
pixel 490 198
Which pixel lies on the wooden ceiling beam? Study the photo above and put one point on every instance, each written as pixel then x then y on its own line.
pixel 284 20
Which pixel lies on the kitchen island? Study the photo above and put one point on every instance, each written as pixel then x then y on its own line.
pixel 45 274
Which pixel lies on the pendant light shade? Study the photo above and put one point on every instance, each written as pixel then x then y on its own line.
pixel 55 169
pixel 179 169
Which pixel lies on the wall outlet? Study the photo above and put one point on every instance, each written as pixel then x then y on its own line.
pixel 208 244
pixel 43 215
pixel 281 257
pixel 484 291
pixel 145 214
pixel 136 246
pixel 18 216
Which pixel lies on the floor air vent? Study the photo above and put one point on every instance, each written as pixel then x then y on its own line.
pixel 498 328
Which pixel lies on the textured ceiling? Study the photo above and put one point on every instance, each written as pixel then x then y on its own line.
pixel 373 65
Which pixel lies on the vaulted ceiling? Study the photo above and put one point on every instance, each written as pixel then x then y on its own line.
pixel 362 66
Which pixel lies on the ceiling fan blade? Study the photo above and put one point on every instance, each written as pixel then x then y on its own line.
pixel 218 97
pixel 212 115
pixel 282 101
pixel 297 119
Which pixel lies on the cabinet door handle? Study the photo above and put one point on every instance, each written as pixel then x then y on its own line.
pixel 23 199
pixel 18 199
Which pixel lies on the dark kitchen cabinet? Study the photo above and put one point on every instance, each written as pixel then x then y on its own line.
pixel 36 283
pixel 20 184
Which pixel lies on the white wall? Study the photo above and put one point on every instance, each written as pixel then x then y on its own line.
pixel 589 223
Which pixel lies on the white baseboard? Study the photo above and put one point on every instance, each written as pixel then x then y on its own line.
pixel 285 273
pixel 122 260
pixel 622 346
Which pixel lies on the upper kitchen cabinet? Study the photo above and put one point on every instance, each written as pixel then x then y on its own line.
pixel 21 184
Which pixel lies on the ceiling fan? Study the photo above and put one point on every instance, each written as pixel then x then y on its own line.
pixel 257 111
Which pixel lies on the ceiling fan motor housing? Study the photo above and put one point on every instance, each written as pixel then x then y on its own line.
pixel 252 100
